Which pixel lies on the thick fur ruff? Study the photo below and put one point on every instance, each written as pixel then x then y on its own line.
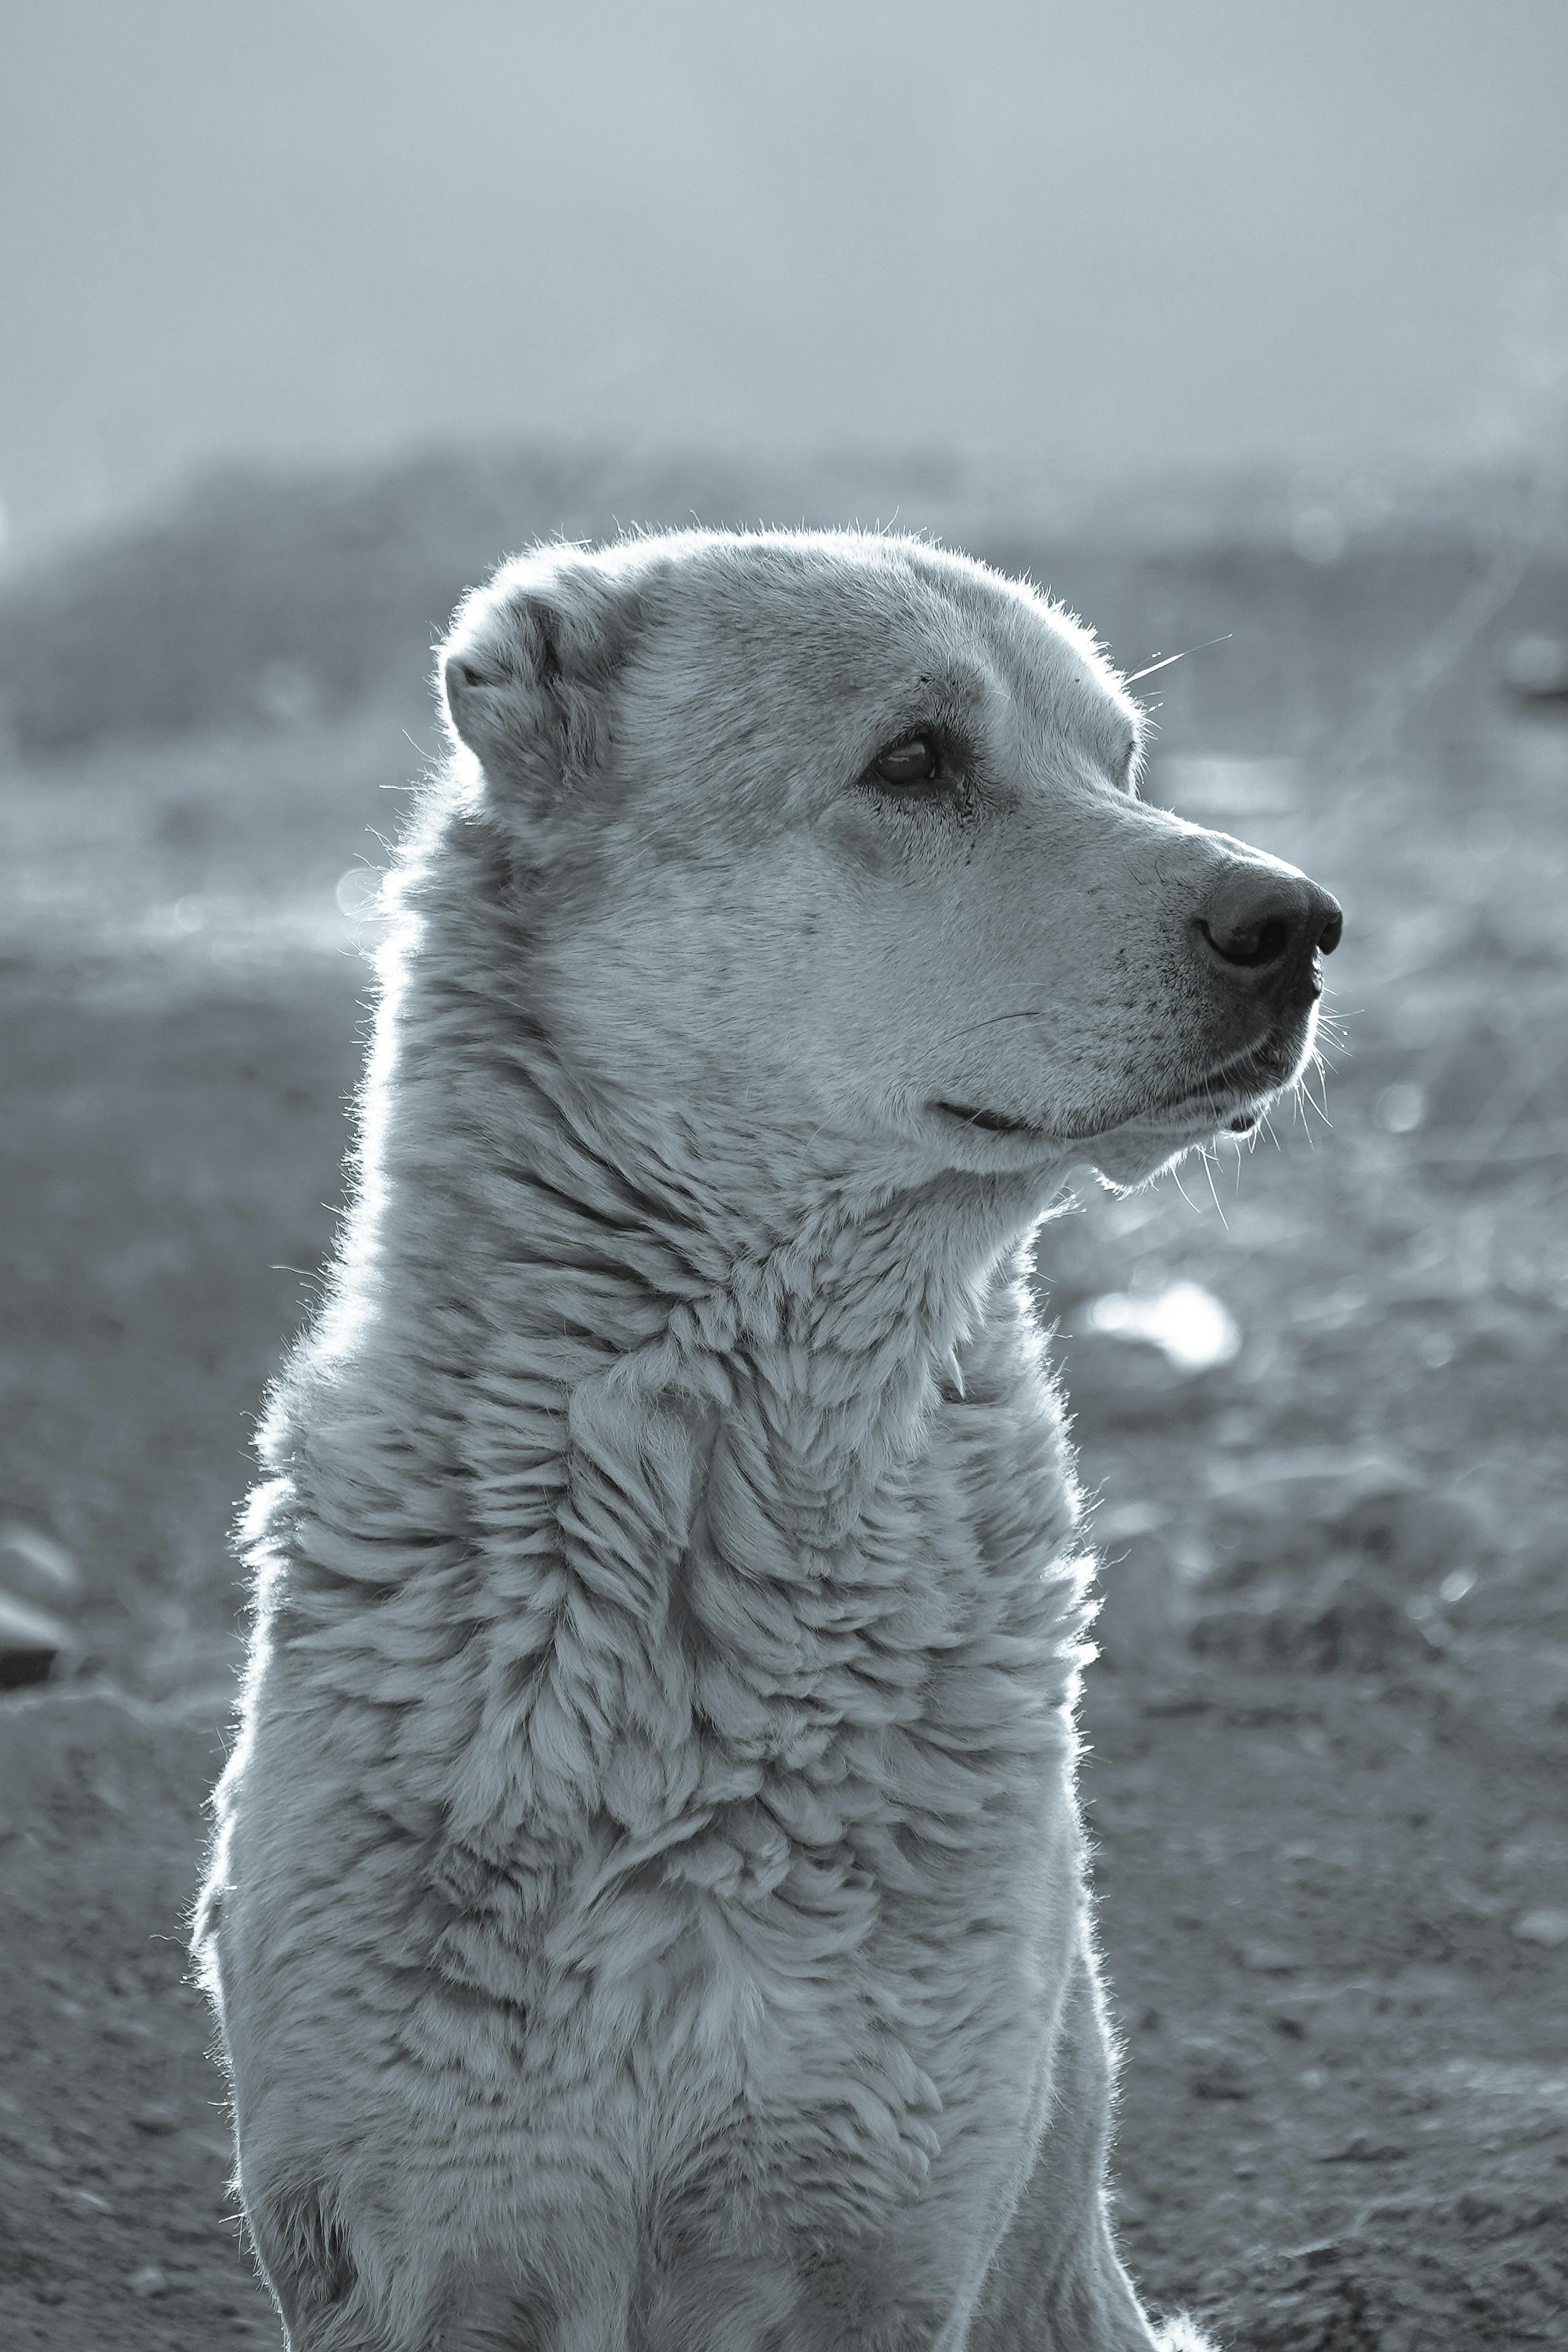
pixel 647 1909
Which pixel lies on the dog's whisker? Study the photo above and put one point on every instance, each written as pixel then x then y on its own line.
pixel 1031 1012
pixel 1182 1189
pixel 1187 655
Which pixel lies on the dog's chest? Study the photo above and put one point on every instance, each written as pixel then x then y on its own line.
pixel 756 2027
pixel 731 2044
pixel 773 1857
pixel 813 1911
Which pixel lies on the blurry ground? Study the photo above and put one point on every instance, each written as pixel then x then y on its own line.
pixel 1329 1732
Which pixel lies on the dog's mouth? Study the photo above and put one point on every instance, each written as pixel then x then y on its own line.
pixel 1235 1094
pixel 991 1120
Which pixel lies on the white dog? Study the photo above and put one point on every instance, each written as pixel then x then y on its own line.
pixel 649 1910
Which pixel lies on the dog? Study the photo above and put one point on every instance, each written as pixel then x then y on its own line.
pixel 647 1911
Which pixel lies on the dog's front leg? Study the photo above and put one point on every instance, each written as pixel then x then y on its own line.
pixel 1057 2283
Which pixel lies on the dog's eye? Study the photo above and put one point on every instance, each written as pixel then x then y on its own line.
pixel 917 762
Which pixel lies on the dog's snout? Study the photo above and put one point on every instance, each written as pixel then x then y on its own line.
pixel 1268 924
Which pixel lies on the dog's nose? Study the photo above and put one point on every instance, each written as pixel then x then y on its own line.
pixel 1270 926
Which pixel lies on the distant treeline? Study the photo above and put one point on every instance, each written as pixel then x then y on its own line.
pixel 269 598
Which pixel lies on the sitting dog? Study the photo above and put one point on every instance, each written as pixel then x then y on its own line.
pixel 648 1909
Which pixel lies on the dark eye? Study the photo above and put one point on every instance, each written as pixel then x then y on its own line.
pixel 917 761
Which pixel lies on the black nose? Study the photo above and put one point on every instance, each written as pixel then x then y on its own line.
pixel 1268 924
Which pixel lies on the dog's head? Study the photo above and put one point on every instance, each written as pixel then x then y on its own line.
pixel 841 835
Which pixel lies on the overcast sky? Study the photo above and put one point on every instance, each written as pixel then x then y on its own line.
pixel 1135 234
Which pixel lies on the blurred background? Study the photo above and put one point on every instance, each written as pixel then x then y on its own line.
pixel 1225 323
pixel 1106 247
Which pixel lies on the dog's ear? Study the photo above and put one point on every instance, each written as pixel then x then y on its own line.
pixel 528 671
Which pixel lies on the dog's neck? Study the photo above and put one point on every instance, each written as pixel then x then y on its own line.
pixel 599 1228
pixel 711 1255
pixel 574 1404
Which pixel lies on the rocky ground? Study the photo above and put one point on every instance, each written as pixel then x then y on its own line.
pixel 1320 1398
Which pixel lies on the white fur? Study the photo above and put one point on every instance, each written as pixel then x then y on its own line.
pixel 647 1909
